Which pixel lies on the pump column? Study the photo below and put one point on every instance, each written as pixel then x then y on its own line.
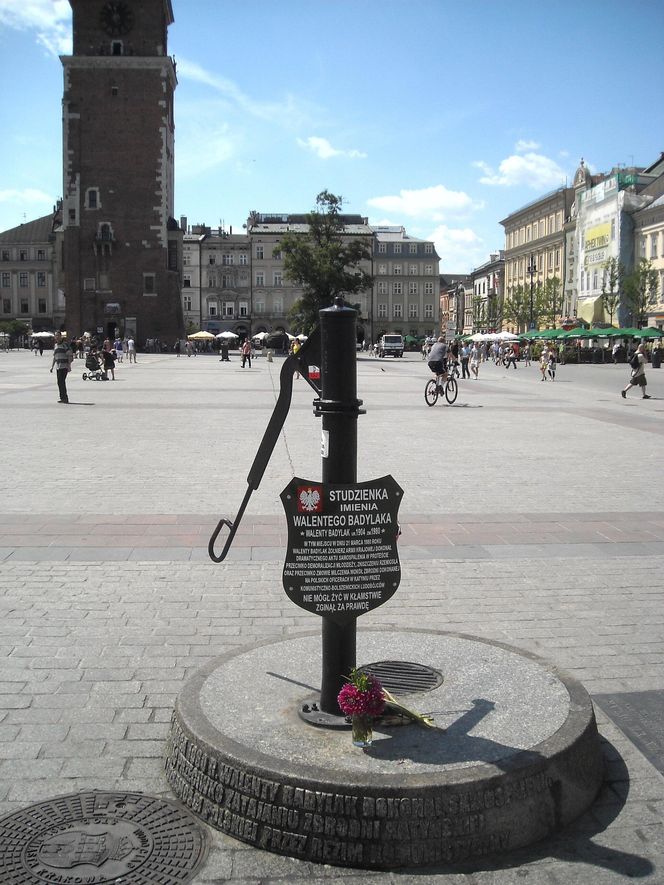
pixel 339 408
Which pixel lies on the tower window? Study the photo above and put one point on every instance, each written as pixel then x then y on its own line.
pixel 116 47
pixel 92 198
pixel 149 284
pixel 114 90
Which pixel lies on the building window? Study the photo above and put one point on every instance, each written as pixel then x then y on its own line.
pixel 212 259
pixel 397 288
pixel 212 309
pixel 41 279
pixel 412 270
pixel 428 311
pixel 428 288
pixel 186 281
pixel 187 302
pixel 227 259
pixel 212 280
pixel 228 309
pixel 412 248
pixel 382 287
pixel 412 311
pixel 244 259
pixel 41 255
pixel 278 304
pixel 428 248
pixel 23 280
pixel 259 307
pixel 243 309
pixel 6 305
pixel 413 289
pixel 276 278
pixel 396 270
pixel 41 305
pixel 6 256
pixel 397 248
pixel 276 254
pixel 260 278
pixel 226 281
pixel 92 198
pixel 382 311
pixel 259 252
pixel 397 311
pixel 6 280
pixel 149 284
pixel 24 306
pixel 653 245
pixel 89 284
pixel 557 258
pixel 382 268
pixel 382 248
pixel 23 255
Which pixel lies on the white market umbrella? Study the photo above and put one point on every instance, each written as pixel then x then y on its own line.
pixel 506 336
pixel 478 336
pixel 201 336
pixel 42 335
pixel 227 335
pixel 260 336
pixel 301 337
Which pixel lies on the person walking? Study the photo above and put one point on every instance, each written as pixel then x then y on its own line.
pixel 475 359
pixel 510 357
pixel 638 377
pixel 526 355
pixel 62 359
pixel 465 357
pixel 131 349
pixel 176 348
pixel 551 363
pixel 117 347
pixel 544 362
pixel 246 352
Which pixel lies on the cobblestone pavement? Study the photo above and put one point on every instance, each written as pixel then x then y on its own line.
pixel 533 514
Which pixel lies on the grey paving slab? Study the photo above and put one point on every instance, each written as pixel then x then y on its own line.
pixel 564 576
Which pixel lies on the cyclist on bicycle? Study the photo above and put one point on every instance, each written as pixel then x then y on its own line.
pixel 438 361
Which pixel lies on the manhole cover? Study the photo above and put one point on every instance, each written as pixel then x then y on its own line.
pixel 98 838
pixel 403 677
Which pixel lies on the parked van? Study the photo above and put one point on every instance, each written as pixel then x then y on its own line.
pixel 390 345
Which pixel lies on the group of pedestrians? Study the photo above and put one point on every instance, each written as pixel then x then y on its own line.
pixel 104 358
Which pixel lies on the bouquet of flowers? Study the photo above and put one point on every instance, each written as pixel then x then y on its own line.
pixel 362 695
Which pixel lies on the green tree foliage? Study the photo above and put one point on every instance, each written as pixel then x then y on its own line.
pixel 324 262
pixel 549 301
pixel 516 307
pixel 640 289
pixel 479 313
pixel 614 272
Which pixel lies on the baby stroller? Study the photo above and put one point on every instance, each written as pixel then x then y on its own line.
pixel 95 369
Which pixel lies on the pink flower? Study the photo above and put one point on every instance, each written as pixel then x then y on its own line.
pixel 368 701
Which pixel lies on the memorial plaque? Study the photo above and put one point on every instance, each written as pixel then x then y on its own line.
pixel 639 714
pixel 342 558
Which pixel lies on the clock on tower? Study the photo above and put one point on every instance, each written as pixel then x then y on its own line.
pixel 122 246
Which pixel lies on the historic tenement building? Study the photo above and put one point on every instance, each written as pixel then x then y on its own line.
pixel 486 301
pixel 121 246
pixel 28 284
pixel 535 239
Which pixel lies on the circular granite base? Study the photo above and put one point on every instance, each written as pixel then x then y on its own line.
pixel 514 756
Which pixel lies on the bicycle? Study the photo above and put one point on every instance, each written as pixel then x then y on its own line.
pixel 433 389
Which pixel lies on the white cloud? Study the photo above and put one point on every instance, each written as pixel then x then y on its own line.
pixel 435 203
pixel 522 146
pixel 50 19
pixel 29 196
pixel 529 169
pixel 221 146
pixel 286 111
pixel 324 150
pixel 460 249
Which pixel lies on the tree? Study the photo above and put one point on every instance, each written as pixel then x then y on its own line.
pixel 479 313
pixel 549 300
pixel 324 261
pixel 516 306
pixel 614 271
pixel 640 289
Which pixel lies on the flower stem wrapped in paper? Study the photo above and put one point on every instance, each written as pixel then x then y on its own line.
pixel 363 695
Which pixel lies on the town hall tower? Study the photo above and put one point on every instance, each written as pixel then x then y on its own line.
pixel 121 245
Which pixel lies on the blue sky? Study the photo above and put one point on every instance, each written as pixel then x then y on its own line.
pixel 441 116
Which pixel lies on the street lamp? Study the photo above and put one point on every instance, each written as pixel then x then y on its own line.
pixel 532 270
pixel 457 308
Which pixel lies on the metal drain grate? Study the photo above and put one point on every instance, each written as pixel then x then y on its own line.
pixel 101 837
pixel 404 677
